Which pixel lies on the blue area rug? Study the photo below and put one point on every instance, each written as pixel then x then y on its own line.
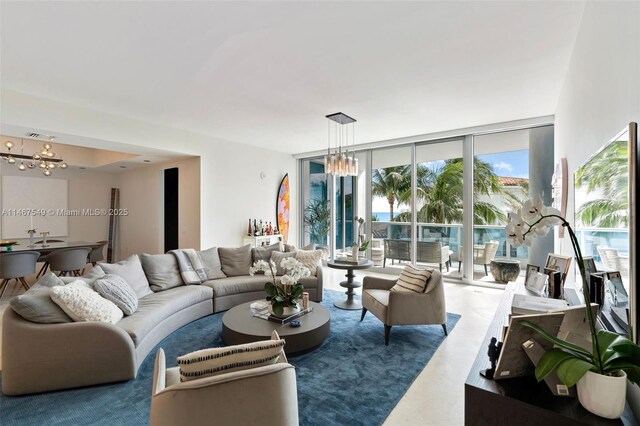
pixel 353 378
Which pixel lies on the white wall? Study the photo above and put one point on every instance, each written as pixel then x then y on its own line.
pixel 231 190
pixel 88 189
pixel 601 93
pixel 142 194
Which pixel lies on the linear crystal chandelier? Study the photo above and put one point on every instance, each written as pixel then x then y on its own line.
pixel 340 162
pixel 45 159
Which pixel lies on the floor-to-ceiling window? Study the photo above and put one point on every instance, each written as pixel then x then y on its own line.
pixel 316 213
pixel 391 206
pixel 418 201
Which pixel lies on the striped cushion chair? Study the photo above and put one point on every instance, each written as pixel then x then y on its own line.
pixel 415 298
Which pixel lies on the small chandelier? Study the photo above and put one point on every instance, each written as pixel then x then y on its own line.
pixel 340 162
pixel 45 159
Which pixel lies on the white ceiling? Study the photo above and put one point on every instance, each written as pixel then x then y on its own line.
pixel 266 73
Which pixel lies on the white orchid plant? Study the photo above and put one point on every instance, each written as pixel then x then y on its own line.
pixel 288 291
pixel 610 352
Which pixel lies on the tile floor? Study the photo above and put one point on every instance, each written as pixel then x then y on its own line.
pixel 437 395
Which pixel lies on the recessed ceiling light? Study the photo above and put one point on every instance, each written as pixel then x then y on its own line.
pixel 82 168
pixel 147 161
pixel 123 167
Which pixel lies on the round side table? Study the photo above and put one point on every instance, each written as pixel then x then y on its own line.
pixel 349 284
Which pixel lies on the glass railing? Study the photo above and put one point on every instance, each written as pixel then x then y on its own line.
pixel 451 235
pixel 591 238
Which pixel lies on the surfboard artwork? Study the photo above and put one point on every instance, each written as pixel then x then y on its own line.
pixel 282 208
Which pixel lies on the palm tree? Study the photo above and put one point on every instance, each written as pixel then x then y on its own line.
pixel 391 183
pixel 317 215
pixel 608 174
pixel 441 190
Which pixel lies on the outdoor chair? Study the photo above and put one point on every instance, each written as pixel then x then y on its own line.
pixel 482 255
pixel 434 252
pixel 613 261
pixel 396 250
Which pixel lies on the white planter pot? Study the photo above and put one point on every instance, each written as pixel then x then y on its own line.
pixel 287 311
pixel 604 396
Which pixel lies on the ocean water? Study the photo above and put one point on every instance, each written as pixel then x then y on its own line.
pixel 382 216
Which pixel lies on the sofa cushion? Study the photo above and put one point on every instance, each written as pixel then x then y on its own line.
pixel 156 307
pixel 116 289
pixel 247 284
pixel 235 261
pixel 413 280
pixel 35 304
pixel 131 270
pixel 277 257
pixel 309 259
pixel 83 304
pixel 162 271
pixel 89 278
pixel 211 262
pixel 214 361
pixel 264 253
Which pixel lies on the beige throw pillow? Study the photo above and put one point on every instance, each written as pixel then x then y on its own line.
pixel 215 361
pixel 211 263
pixel 413 279
pixel 277 257
pixel 162 271
pixel 309 259
pixel 235 261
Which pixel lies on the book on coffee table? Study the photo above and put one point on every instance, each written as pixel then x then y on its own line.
pixel 351 262
pixel 270 317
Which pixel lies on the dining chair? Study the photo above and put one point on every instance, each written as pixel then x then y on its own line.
pixel 17 265
pixel 69 260
pixel 43 257
pixel 97 253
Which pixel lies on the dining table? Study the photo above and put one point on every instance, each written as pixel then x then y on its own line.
pixel 44 249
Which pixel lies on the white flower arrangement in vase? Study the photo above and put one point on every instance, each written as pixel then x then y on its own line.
pixel 284 295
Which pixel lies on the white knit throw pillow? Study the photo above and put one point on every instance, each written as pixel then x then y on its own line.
pixel 309 258
pixel 83 304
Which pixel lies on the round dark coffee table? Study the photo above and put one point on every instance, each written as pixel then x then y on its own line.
pixel 349 284
pixel 238 326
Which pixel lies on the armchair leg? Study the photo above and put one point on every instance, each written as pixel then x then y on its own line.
pixel 364 312
pixel 444 327
pixel 459 264
pixel 387 332
pixel 440 266
pixel 485 269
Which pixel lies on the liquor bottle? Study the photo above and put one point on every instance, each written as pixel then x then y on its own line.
pixel 255 228
pixel 269 229
pixel 250 229
pixel 261 228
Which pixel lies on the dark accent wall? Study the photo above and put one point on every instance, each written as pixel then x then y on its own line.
pixel 171 178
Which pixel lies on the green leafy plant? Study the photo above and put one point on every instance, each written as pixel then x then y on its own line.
pixel 288 291
pixel 317 217
pixel 610 352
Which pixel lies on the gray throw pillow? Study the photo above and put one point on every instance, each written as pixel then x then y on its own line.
pixel 277 257
pixel 88 278
pixel 235 261
pixel 116 289
pixel 162 271
pixel 289 248
pixel 132 272
pixel 35 304
pixel 264 253
pixel 211 263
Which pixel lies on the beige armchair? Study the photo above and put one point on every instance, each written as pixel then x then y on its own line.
pixel 258 396
pixel 404 308
pixel 482 254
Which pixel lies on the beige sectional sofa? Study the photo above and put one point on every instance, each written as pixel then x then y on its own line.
pixel 39 357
